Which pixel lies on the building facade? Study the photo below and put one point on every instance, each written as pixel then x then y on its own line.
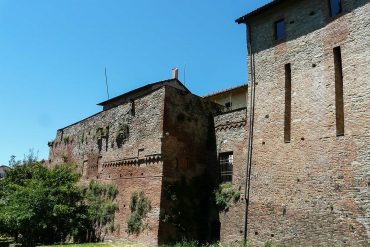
pixel 231 143
pixel 157 139
pixel 3 170
pixel 294 143
pixel 309 69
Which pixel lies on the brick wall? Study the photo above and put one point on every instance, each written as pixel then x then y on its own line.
pixel 122 147
pixel 315 189
pixel 189 161
pixel 162 144
pixel 231 136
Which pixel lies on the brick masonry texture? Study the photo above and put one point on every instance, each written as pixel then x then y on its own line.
pixel 315 189
pixel 145 145
pixel 137 165
pixel 231 136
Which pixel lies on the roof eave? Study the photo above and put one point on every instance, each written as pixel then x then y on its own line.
pixel 246 18
pixel 240 20
pixel 142 88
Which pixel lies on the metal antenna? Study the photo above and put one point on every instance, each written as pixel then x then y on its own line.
pixel 106 81
pixel 184 74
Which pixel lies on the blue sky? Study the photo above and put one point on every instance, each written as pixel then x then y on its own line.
pixel 53 55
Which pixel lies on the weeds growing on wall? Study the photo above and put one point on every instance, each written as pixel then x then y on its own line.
pixel 122 135
pixel 225 196
pixel 140 206
pixel 101 209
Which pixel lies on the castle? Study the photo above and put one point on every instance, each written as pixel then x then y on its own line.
pixel 294 141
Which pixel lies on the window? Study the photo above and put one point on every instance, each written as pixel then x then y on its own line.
pixel 280 30
pixel 226 166
pixel 228 106
pixel 335 7
pixel 288 102
pixel 339 104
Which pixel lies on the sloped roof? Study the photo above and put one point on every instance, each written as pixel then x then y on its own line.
pixel 226 90
pixel 245 18
pixel 143 90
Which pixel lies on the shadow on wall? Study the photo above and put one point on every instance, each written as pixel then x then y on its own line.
pixel 308 17
pixel 188 209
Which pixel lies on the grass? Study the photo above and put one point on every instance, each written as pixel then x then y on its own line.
pixel 98 244
pixel 5 240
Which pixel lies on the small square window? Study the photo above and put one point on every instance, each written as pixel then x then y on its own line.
pixel 335 7
pixel 226 166
pixel 280 30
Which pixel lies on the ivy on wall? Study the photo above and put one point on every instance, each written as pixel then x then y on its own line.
pixel 225 196
pixel 122 134
pixel 140 206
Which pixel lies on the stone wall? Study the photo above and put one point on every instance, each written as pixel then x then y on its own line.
pixel 189 161
pixel 162 144
pixel 121 146
pixel 231 136
pixel 315 189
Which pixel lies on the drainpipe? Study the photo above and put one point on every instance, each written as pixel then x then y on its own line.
pixel 248 170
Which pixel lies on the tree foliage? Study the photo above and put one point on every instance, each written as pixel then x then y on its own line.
pixel 45 206
pixel 39 205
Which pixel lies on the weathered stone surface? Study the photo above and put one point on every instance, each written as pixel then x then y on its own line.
pixel 312 190
pixel 315 189
pixel 231 136
pixel 146 144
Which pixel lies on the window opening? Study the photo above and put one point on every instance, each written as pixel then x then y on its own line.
pixel 288 103
pixel 339 101
pixel 280 30
pixel 226 166
pixel 335 7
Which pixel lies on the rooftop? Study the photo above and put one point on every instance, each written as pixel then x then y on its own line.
pixel 264 8
pixel 226 90
pixel 126 97
pixel 132 95
pixel 3 169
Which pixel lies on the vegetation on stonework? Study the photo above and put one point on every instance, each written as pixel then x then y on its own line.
pixel 46 206
pixel 140 206
pixel 225 195
pixel 101 209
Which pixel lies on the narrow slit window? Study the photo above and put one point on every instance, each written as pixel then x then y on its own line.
pixel 280 30
pixel 288 103
pixel 228 106
pixel 335 7
pixel 226 166
pixel 339 102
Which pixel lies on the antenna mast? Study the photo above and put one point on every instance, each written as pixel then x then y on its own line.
pixel 185 74
pixel 106 81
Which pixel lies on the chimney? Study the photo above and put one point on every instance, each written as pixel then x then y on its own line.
pixel 175 73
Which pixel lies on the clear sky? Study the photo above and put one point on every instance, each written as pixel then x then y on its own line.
pixel 53 54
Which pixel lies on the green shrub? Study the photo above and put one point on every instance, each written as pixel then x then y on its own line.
pixel 39 205
pixel 140 207
pixel 225 195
